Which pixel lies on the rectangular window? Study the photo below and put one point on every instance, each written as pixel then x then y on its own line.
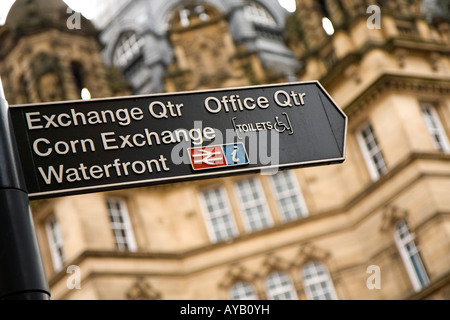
pixel 218 215
pixel 372 152
pixel 55 242
pixel 288 196
pixel 253 205
pixel 120 224
pixel 411 256
pixel 435 127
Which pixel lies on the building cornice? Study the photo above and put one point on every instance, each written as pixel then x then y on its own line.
pixel 391 45
pixel 396 82
pixel 347 207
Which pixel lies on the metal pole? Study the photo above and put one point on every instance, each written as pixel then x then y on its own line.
pixel 22 273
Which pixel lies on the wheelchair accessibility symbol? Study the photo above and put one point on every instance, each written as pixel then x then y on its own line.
pixel 213 157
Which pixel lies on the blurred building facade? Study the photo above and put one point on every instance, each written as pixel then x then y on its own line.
pixel 184 45
pixel 375 227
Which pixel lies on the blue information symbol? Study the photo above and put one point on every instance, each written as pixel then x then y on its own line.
pixel 235 154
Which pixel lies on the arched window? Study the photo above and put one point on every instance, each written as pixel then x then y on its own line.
pixel 243 291
pixel 257 14
pixel 317 282
pixel 264 23
pixel 410 255
pixel 280 287
pixel 128 49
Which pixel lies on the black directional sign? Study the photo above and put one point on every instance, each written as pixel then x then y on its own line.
pixel 78 147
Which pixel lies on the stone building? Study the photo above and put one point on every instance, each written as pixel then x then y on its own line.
pixel 185 45
pixel 374 227
pixel 43 60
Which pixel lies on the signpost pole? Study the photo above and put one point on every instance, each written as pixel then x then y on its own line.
pixel 22 273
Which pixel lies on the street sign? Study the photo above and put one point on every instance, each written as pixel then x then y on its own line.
pixel 78 147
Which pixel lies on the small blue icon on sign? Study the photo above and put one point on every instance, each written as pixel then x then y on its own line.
pixel 213 157
pixel 235 154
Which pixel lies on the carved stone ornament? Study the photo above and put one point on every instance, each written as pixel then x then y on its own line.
pixel 143 290
pixel 391 214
